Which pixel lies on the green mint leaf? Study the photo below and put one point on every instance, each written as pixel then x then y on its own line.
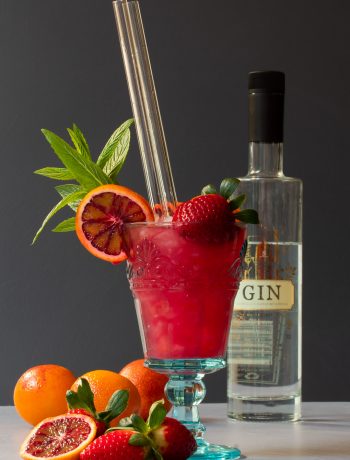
pixel 139 439
pixel 79 142
pixel 208 190
pixel 68 189
pixel 65 201
pixel 116 161
pixel 110 147
pixel 236 202
pixel 55 173
pixel 157 415
pixel 248 216
pixel 139 424
pixel 117 404
pixel 85 394
pixel 228 186
pixel 85 171
pixel 67 225
pixel 74 402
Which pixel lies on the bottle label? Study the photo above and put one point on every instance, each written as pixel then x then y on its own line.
pixel 265 295
pixel 245 349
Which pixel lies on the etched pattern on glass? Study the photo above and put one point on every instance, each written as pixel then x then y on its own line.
pixel 150 268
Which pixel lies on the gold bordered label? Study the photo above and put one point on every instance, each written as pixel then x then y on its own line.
pixel 265 295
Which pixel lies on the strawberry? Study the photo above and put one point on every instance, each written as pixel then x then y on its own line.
pixel 100 424
pixel 207 209
pixel 173 440
pixel 205 218
pixel 208 218
pixel 114 446
pixel 161 438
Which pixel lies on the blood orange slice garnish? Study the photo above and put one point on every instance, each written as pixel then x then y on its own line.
pixel 59 438
pixel 100 218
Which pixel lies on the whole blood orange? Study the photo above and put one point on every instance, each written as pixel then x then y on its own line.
pixel 100 218
pixel 103 384
pixel 41 392
pixel 150 385
pixel 61 438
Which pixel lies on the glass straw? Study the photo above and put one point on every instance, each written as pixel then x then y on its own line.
pixel 149 127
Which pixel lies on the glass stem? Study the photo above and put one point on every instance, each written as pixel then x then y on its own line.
pixel 186 392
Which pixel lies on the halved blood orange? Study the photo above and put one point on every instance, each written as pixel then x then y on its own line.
pixel 59 438
pixel 100 218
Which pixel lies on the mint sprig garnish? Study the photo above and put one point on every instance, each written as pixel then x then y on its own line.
pixel 79 167
pixel 227 189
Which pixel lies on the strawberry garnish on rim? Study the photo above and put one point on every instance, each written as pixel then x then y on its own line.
pixel 210 216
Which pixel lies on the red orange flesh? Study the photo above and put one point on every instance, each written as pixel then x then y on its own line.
pixel 59 438
pixel 100 218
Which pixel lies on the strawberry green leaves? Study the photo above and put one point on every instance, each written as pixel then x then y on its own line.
pixel 83 398
pixel 228 188
pixel 237 202
pixel 79 167
pixel 157 414
pixel 209 189
pixel 249 216
pixel 85 394
pixel 116 405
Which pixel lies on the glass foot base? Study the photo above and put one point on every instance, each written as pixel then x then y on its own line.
pixel 206 450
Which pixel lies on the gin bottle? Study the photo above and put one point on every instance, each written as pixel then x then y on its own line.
pixel 264 353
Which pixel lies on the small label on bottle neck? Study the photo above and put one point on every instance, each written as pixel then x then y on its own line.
pixel 265 295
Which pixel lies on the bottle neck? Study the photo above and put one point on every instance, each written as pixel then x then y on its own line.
pixel 265 159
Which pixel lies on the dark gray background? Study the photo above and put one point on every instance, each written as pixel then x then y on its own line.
pixel 61 63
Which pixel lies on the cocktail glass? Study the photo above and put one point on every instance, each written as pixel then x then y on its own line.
pixel 184 288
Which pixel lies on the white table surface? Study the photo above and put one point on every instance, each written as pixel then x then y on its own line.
pixel 324 433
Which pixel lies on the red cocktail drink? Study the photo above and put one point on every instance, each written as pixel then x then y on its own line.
pixel 184 288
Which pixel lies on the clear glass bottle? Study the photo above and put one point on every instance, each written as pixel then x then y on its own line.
pixel 264 353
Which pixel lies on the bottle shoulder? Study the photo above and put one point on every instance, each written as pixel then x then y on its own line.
pixel 260 178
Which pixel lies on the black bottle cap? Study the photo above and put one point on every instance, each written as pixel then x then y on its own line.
pixel 266 106
pixel 268 81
